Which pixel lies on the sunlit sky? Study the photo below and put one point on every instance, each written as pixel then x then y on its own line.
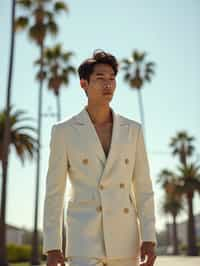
pixel 167 30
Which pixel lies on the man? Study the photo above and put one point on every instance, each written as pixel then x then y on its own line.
pixel 110 212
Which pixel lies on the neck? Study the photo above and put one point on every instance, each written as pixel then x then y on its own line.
pixel 99 114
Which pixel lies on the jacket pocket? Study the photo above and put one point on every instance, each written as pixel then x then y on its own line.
pixel 82 203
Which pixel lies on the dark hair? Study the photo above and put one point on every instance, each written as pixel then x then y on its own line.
pixel 99 57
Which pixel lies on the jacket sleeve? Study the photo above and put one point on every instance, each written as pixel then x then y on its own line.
pixel 55 191
pixel 144 195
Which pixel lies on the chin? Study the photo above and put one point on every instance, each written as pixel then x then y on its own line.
pixel 108 95
pixel 108 100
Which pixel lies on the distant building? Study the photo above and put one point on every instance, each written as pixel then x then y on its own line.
pixel 20 236
pixel 14 235
pixel 182 230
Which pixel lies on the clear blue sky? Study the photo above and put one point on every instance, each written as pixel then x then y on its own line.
pixel 167 31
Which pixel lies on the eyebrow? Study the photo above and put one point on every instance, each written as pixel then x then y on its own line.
pixel 101 74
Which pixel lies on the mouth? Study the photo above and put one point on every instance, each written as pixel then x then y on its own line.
pixel 107 93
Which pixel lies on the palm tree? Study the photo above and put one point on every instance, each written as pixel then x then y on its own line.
pixel 189 183
pixel 182 146
pixel 136 73
pixel 173 206
pixel 25 146
pixel 172 203
pixel 43 15
pixel 5 147
pixel 56 71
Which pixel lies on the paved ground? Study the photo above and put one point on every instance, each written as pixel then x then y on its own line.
pixel 177 261
pixel 174 261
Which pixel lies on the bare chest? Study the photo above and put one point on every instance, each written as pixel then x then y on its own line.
pixel 105 134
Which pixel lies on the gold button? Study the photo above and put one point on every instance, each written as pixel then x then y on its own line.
pixel 126 210
pixel 126 161
pixel 101 186
pixel 122 185
pixel 99 208
pixel 85 161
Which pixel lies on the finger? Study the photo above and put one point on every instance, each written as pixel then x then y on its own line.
pixel 151 260
pixel 142 255
pixel 61 261
pixel 51 263
pixel 154 258
pixel 148 259
pixel 142 258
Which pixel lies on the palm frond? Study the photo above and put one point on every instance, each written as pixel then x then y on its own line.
pixel 21 23
pixel 19 128
pixel 37 33
pixel 60 6
pixel 127 77
pixel 66 56
pixel 21 138
pixel 52 28
pixel 69 69
pixel 24 3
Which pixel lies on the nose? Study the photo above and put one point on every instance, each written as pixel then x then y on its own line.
pixel 107 86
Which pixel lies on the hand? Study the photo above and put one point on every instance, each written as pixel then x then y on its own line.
pixel 148 249
pixel 54 257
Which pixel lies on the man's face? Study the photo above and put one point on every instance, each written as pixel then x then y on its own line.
pixel 101 86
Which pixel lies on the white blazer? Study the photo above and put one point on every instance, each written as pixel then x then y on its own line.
pixel 111 201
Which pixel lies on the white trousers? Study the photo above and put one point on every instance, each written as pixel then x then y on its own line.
pixel 78 261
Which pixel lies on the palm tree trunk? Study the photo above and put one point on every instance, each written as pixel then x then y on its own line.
pixel 168 234
pixel 58 107
pixel 63 222
pixel 184 159
pixel 35 258
pixel 192 247
pixel 175 239
pixel 3 250
pixel 141 110
pixel 6 141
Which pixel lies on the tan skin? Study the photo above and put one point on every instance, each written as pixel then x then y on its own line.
pixel 100 90
pixel 102 80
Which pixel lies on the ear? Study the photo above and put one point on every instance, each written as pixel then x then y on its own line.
pixel 83 83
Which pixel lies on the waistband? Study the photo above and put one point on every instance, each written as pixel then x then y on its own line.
pixel 100 259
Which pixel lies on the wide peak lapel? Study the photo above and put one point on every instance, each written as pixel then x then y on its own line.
pixel 89 131
pixel 113 145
